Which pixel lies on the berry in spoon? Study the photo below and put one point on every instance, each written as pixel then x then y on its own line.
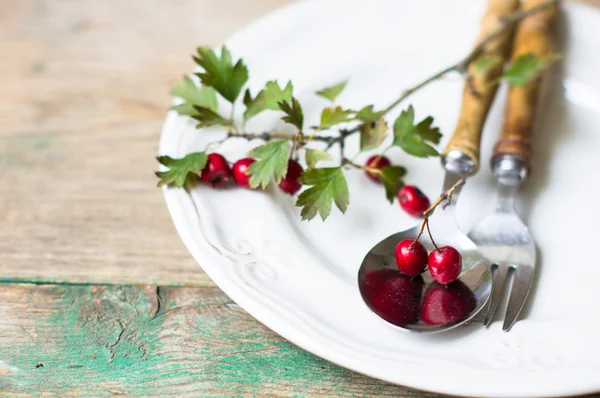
pixel 411 257
pixel 443 305
pixel 445 264
pixel 393 296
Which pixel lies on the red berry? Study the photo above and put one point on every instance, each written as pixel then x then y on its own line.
pixel 216 171
pixel 239 171
pixel 411 257
pixel 445 264
pixel 290 184
pixel 393 296
pixel 377 162
pixel 443 305
pixel 413 201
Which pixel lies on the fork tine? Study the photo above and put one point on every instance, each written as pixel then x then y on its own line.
pixel 498 282
pixel 522 280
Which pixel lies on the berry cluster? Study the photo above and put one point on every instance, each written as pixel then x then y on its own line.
pixel 218 173
pixel 445 263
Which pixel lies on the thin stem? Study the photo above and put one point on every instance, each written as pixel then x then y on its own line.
pixel 297 142
pixel 216 144
pixel 407 93
pixel 268 136
pixel 431 236
pixel 231 117
pixel 342 150
pixel 346 161
pixel 444 197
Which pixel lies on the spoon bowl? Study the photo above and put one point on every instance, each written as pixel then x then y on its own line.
pixel 420 304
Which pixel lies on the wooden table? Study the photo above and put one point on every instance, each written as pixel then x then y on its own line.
pixel 98 295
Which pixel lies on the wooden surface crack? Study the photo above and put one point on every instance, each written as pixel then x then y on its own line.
pixel 113 345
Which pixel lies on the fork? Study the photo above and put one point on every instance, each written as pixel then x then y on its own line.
pixel 502 237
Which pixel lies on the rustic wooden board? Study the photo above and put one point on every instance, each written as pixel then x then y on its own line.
pixel 105 340
pixel 84 89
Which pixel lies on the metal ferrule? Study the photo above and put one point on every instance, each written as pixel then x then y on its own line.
pixel 457 162
pixel 509 170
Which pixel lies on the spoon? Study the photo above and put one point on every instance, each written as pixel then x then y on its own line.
pixel 420 304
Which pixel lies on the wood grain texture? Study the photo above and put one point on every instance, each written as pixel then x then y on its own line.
pixel 533 36
pixel 84 89
pixel 475 106
pixel 108 340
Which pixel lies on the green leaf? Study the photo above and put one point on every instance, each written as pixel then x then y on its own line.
pixel 427 132
pixel 331 93
pixel 372 134
pixel 527 67
pixel 486 62
pixel 293 113
pixel 367 114
pixel 328 185
pixel 181 170
pixel 391 177
pixel 313 156
pixel 415 139
pixel 220 73
pixel 271 163
pixel 404 125
pixel 334 116
pixel 267 99
pixel 192 95
pixel 207 118
pixel 414 146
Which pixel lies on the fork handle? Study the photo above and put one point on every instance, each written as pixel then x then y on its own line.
pixel 462 152
pixel 533 35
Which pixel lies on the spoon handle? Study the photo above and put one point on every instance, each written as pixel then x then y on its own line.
pixel 475 105
pixel 533 35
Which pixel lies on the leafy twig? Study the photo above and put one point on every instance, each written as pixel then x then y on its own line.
pixel 221 75
pixel 461 66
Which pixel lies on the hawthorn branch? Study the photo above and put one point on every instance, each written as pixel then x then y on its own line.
pixel 461 67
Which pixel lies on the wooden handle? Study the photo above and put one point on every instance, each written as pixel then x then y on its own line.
pixel 475 106
pixel 532 36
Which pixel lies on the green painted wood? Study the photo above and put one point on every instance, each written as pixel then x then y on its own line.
pixel 104 340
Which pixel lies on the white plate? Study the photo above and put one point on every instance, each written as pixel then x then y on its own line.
pixel 299 278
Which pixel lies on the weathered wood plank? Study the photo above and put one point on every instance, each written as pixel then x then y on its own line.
pixel 104 340
pixel 83 94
